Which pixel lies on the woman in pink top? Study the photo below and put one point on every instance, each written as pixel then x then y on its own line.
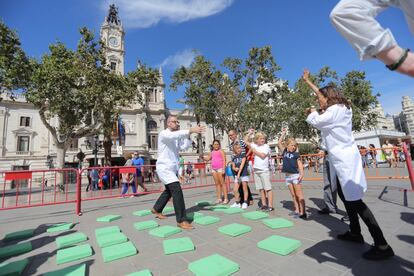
pixel 218 164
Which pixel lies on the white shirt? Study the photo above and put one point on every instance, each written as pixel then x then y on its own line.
pixel 336 126
pixel 168 154
pixel 259 163
pixel 356 21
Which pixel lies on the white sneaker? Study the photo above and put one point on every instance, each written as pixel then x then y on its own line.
pixel 244 205
pixel 235 205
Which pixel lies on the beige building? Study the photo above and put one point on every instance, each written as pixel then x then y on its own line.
pixel 25 143
pixel 385 121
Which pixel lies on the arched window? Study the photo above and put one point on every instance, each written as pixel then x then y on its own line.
pixel 152 126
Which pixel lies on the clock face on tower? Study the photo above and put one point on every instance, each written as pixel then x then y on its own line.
pixel 113 41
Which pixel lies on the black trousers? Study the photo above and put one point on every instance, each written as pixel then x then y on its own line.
pixel 172 190
pixel 358 207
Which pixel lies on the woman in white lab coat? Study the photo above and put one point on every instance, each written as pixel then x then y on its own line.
pixel 335 124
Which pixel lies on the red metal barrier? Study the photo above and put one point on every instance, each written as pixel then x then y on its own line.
pixel 29 188
pixel 409 165
pixel 23 189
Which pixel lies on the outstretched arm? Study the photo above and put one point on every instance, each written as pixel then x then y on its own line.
pixel 281 139
pixel 305 77
pixel 312 85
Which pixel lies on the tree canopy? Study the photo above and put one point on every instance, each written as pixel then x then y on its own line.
pixel 247 93
pixel 15 66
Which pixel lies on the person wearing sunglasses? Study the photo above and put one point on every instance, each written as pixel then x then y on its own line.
pixel 167 169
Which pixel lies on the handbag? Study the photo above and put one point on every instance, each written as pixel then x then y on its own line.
pixel 229 171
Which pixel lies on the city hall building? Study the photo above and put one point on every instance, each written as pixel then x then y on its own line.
pixel 26 144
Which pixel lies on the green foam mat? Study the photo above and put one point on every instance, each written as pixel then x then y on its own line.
pixel 71 239
pixel 111 239
pixel 108 218
pixel 194 215
pixel 15 249
pixel 13 268
pixel 233 210
pixel 143 225
pixel 213 265
pixel 167 210
pixel 164 231
pixel 255 215
pixel 279 245
pixel 118 251
pixel 19 235
pixel 178 245
pixel 205 220
pixel 74 270
pixel 277 223
pixel 203 203
pixel 142 213
pixel 234 229
pixel 60 227
pixel 107 230
pixel 73 253
pixel 144 272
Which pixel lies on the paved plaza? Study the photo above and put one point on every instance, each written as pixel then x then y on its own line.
pixel 319 254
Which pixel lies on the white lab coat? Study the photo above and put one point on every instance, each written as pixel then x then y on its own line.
pixel 169 145
pixel 355 20
pixel 336 126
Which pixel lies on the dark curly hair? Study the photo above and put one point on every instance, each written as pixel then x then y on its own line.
pixel 334 96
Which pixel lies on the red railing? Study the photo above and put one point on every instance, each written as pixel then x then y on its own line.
pixel 21 189
pixel 37 188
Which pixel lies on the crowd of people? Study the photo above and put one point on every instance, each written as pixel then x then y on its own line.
pixel 342 162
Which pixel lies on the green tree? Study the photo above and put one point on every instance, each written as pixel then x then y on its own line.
pixel 302 97
pixel 120 92
pixel 63 87
pixel 15 66
pixel 199 81
pixel 257 90
pixel 355 88
pixel 358 90
pixel 78 96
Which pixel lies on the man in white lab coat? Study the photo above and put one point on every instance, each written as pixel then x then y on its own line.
pixel 169 144
pixel 336 128
pixel 356 21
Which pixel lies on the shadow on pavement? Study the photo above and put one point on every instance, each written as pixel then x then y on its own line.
pixel 406 238
pixel 407 217
pixel 348 254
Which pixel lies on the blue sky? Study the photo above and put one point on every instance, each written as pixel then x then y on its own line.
pixel 163 33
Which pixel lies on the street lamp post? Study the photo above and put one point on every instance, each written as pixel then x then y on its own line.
pixel 97 144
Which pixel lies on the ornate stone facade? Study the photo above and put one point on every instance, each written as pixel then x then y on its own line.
pixel 26 144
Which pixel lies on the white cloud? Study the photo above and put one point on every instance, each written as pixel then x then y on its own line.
pixel 146 13
pixel 183 58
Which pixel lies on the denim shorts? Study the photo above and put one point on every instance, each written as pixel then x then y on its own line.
pixel 292 178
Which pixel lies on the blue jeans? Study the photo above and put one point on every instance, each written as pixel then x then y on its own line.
pixel 125 188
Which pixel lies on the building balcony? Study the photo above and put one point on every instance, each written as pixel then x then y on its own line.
pixel 27 153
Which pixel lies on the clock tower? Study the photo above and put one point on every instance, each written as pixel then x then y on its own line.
pixel 112 36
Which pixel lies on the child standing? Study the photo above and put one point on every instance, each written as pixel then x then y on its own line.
pixel 128 179
pixel 239 166
pixel 293 169
pixel 261 152
pixel 218 163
